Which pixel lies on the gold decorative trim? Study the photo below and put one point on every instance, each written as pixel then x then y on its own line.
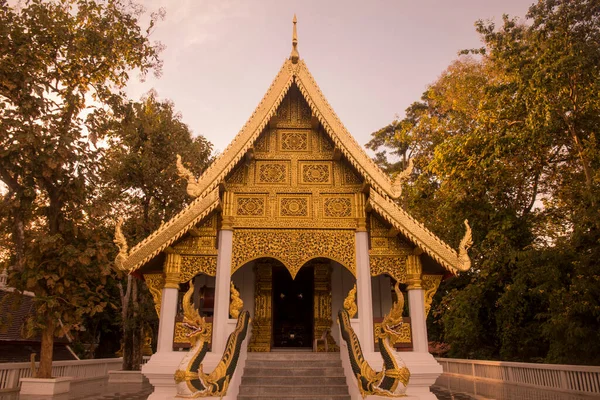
pixel 172 230
pixel 417 233
pixel 392 266
pixel 260 340
pixel 322 307
pixel 293 247
pixel 194 265
pixel 402 337
pixel 155 283
pixel 430 284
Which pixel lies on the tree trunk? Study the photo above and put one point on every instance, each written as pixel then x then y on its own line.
pixel 136 342
pixel 45 370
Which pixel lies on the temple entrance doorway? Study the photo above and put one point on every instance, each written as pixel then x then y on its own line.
pixel 293 311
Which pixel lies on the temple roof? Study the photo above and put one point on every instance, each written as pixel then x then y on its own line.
pixel 382 188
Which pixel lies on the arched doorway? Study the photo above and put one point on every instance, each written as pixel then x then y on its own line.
pixel 293 311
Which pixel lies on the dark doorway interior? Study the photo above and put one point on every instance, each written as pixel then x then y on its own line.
pixel 293 307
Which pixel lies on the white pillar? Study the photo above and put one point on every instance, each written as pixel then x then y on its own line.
pixel 222 283
pixel 418 325
pixel 416 303
pixel 166 322
pixel 162 365
pixel 363 292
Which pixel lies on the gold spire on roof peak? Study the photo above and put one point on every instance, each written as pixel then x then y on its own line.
pixel 295 56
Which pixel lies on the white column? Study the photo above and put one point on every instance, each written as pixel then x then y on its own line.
pixel 363 292
pixel 222 283
pixel 416 304
pixel 166 322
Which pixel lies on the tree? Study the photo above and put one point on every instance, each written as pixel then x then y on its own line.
pixel 62 63
pixel 142 183
pixel 509 140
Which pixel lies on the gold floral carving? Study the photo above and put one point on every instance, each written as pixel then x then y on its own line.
pixel 238 176
pixel 430 284
pixel 250 206
pixel 392 266
pixel 404 336
pixel 337 207
pixel 294 141
pixel 293 247
pixel 272 173
pixel 322 307
pixel 350 178
pixel 262 143
pixel 155 283
pixel 293 206
pixel 194 265
pixel 312 173
pixel 261 323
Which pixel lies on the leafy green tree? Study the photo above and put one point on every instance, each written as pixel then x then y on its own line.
pixel 61 64
pixel 509 140
pixel 142 184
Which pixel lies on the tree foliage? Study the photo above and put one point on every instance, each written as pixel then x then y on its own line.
pixel 142 186
pixel 508 139
pixel 62 66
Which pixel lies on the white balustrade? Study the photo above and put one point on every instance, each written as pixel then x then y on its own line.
pixel 80 370
pixel 566 378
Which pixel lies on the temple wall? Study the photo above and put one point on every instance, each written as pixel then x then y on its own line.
pixel 243 279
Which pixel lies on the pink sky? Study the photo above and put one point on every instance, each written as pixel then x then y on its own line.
pixel 372 59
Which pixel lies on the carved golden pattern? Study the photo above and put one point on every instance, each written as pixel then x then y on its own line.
pixel 262 143
pixel 430 284
pixel 350 302
pixel 155 283
pixel 393 266
pixel 350 178
pixel 236 304
pixel 250 206
pixel 293 206
pixel 261 323
pixel 294 141
pixel 194 265
pixel 322 306
pixel 272 173
pixel 238 176
pixel 337 207
pixel 312 173
pixel 293 247
pixel 294 111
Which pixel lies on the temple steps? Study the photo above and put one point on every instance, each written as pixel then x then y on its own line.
pixel 293 375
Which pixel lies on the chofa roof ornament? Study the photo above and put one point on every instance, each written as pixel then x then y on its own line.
pixel 193 188
pixel 463 248
pixel 295 56
pixel 399 179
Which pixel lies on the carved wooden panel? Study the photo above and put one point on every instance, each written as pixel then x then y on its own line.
pixel 272 172
pixel 337 207
pixel 315 173
pixel 250 206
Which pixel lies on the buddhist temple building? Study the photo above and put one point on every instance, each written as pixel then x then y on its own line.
pixel 292 223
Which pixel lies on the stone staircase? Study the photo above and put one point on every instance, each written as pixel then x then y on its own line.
pixel 293 375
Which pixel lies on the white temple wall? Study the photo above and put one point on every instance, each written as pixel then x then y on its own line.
pixel 341 283
pixel 243 279
pixel 382 295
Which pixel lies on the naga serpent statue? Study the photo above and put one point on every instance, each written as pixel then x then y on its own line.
pixel 392 380
pixel 191 380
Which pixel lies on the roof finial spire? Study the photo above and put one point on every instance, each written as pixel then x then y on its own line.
pixel 295 56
